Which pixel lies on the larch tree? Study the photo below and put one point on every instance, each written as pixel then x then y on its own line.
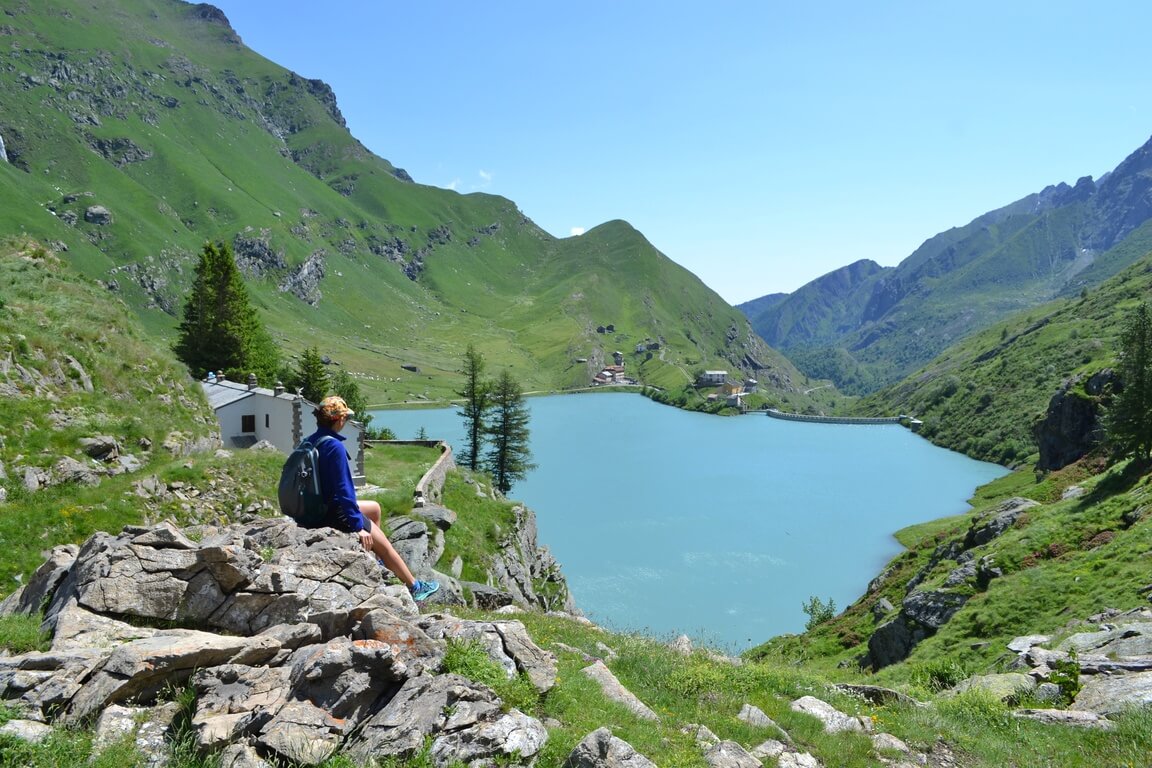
pixel 311 376
pixel 1129 422
pixel 508 458
pixel 475 409
pixel 221 331
pixel 344 385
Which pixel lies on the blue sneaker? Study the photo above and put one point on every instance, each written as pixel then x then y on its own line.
pixel 422 590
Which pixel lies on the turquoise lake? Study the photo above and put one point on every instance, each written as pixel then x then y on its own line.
pixel 670 522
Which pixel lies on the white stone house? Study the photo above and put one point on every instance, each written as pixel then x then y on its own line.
pixel 248 414
pixel 713 378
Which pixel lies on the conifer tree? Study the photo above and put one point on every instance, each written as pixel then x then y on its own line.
pixel 220 331
pixel 508 458
pixel 1129 420
pixel 475 408
pixel 344 385
pixel 311 376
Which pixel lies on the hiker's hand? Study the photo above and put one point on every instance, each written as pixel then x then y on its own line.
pixel 366 540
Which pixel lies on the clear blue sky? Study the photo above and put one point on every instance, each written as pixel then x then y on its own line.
pixel 758 144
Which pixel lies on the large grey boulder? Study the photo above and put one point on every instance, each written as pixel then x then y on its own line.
pixel 922 613
pixel 1008 687
pixel 142 668
pixel 755 716
pixel 600 749
pixel 31 597
pixel 993 523
pixel 1073 717
pixel 1121 640
pixel 729 754
pixel 224 581
pixel 461 719
pixel 97 214
pixel 1112 694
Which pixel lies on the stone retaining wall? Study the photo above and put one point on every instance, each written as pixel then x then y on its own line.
pixel 431 485
pixel 772 413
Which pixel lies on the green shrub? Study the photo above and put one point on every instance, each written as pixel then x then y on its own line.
pixel 975 707
pixel 1066 674
pixel 938 674
pixel 818 611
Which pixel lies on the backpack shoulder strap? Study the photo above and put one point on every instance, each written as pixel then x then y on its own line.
pixel 316 444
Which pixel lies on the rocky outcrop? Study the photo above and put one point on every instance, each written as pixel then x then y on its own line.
pixel 924 611
pixel 304 281
pixel 293 643
pixel 615 691
pixel 1103 671
pixel 97 214
pixel 527 570
pixel 1072 426
pixel 600 749
pixel 255 256
pixel 119 151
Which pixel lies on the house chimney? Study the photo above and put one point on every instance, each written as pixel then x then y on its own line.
pixel 251 381
pixel 278 389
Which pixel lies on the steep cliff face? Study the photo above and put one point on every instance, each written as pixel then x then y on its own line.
pixel 1072 426
pixel 528 571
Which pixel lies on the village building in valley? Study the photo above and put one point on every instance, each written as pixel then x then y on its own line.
pixel 248 414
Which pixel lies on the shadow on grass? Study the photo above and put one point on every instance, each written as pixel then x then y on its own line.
pixel 1118 482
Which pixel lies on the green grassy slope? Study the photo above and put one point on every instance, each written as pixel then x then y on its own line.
pixel 983 395
pixel 1067 558
pixel 155 110
pixel 76 365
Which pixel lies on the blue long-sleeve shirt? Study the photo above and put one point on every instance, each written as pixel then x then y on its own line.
pixel 336 482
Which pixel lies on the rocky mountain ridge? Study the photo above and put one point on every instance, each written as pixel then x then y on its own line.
pixel 146 127
pixel 878 324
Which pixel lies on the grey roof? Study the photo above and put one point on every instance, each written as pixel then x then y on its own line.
pixel 222 393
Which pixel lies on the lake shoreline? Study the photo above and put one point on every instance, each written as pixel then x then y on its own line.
pixel 646 506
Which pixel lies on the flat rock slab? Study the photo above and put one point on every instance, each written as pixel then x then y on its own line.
pixel 615 691
pixel 1066 717
pixel 834 720
pixel 1111 694
pixel 1005 687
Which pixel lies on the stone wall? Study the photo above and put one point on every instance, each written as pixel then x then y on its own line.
pixel 772 413
pixel 431 486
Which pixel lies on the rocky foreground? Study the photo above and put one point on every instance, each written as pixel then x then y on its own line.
pixel 297 648
pixel 300 650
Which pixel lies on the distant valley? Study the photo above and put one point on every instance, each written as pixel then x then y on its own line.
pixel 865 326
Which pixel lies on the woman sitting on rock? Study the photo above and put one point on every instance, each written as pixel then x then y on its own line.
pixel 344 511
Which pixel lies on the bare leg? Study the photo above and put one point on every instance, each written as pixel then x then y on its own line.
pixel 383 548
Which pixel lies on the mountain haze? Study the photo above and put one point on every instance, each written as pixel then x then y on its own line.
pixel 136 130
pixel 866 326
